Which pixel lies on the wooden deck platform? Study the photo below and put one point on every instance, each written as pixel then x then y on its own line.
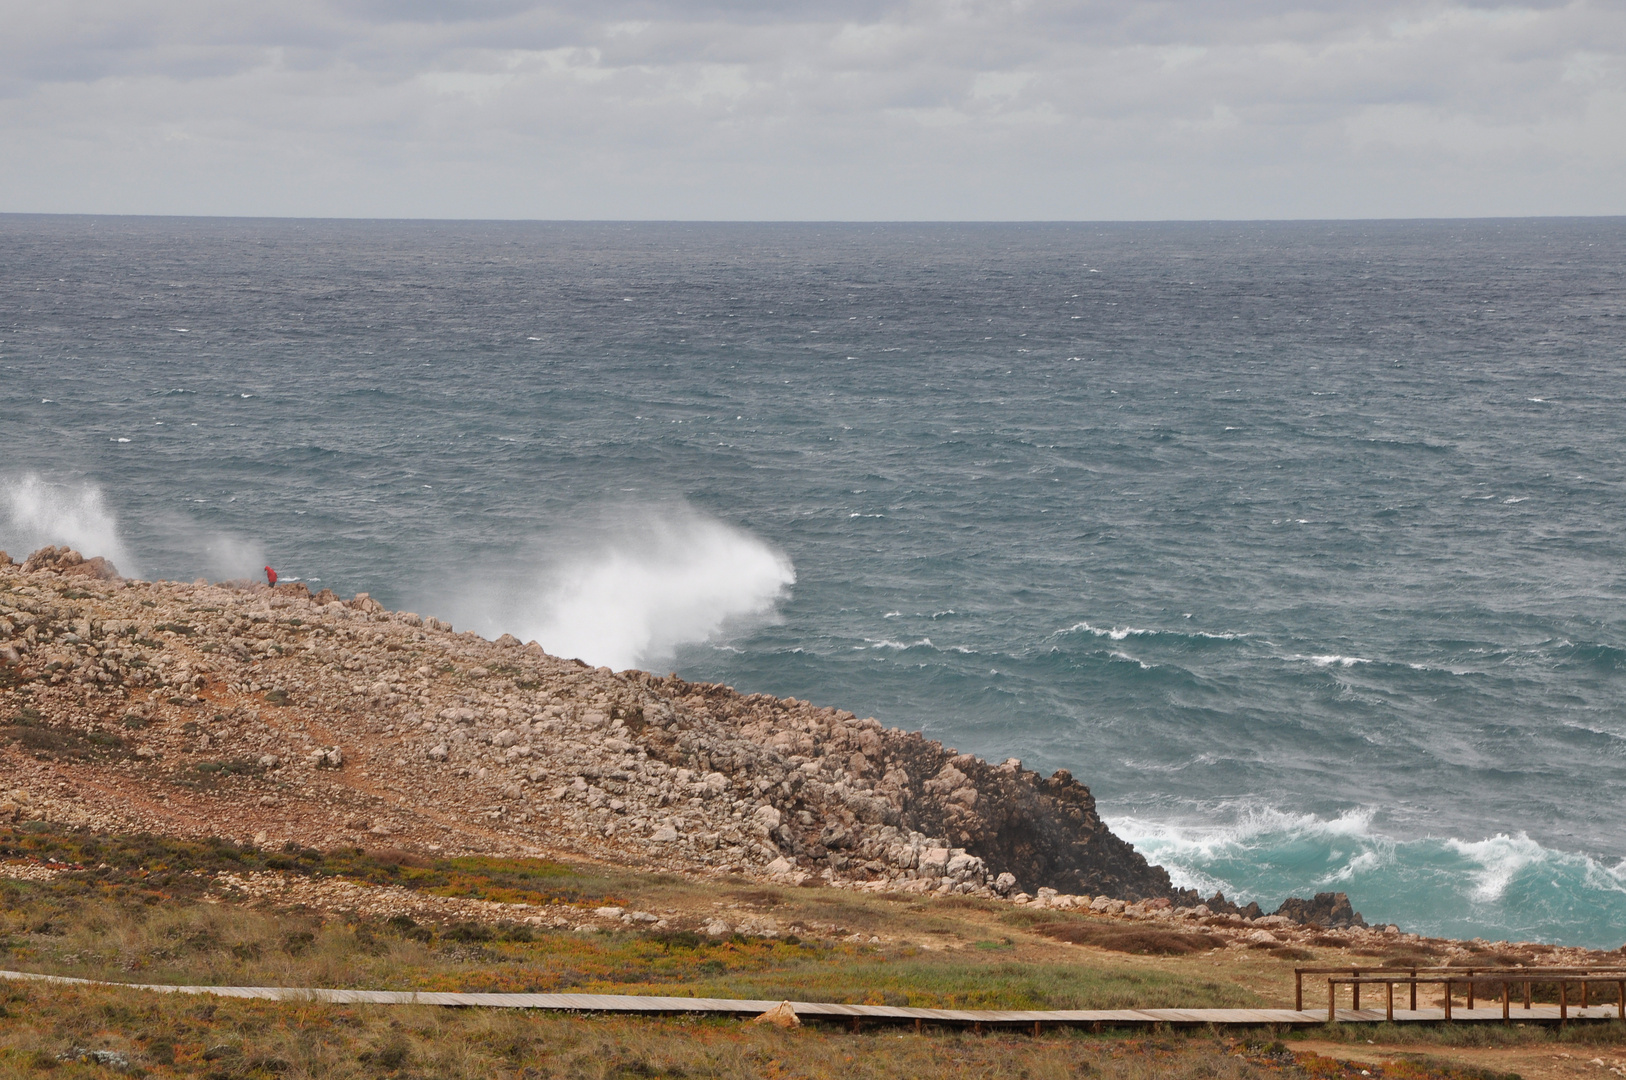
pixel 668 1006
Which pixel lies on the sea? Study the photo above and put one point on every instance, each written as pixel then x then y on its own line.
pixel 1303 544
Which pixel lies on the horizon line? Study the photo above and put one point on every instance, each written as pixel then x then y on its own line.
pixel 813 221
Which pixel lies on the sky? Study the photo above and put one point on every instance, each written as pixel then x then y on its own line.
pixel 813 109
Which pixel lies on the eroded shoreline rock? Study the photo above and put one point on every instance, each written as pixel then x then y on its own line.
pixel 240 710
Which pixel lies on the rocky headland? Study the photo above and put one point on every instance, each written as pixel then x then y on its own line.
pixel 272 716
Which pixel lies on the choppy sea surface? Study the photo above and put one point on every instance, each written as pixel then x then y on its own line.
pixel 1302 544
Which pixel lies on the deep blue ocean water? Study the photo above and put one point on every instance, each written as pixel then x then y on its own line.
pixel 1302 544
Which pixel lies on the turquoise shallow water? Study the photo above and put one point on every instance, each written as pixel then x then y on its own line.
pixel 1301 543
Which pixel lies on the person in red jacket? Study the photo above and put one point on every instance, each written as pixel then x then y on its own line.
pixel 270 575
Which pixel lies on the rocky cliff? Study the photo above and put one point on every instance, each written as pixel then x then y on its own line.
pixel 275 716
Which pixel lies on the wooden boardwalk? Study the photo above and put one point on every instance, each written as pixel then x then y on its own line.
pixel 669 1006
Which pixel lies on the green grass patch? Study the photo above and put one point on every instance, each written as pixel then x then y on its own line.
pixel 165 862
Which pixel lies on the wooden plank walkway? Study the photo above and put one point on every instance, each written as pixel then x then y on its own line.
pixel 667 1006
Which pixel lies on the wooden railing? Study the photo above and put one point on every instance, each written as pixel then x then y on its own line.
pixel 1449 979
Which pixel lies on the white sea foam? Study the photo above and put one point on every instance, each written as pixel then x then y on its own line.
pixel 1208 857
pixel 888 643
pixel 1119 633
pixel 1250 825
pixel 631 585
pixel 1501 886
pixel 1365 862
pixel 35 512
pixel 1499 859
pixel 1505 870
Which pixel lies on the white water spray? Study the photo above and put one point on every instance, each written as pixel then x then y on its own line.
pixel 628 590
pixel 34 513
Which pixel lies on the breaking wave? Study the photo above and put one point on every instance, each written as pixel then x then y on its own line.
pixel 1501 887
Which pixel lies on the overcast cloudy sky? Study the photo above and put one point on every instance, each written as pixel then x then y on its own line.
pixel 835 109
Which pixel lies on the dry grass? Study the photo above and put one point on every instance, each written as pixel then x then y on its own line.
pixel 96 931
pixel 141 913
pixel 1140 940
pixel 240 1040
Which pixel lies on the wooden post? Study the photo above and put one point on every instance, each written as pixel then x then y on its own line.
pixel 977 1027
pixel 1448 999
pixel 1586 994
pixel 1620 998
pixel 1527 993
pixel 855 1023
pixel 1563 1002
pixel 1355 989
pixel 1414 990
pixel 1506 995
pixel 1332 1001
pixel 1036 1029
pixel 1470 988
pixel 1298 990
pixel 918 1025
pixel 1390 1012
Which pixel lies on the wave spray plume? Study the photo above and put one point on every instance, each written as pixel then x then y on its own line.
pixel 34 513
pixel 629 590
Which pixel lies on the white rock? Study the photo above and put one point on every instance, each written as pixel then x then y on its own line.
pixel 665 834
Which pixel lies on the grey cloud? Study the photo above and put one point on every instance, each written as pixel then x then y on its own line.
pixel 914 108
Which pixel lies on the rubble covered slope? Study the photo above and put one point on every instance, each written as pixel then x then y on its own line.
pixel 270 715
